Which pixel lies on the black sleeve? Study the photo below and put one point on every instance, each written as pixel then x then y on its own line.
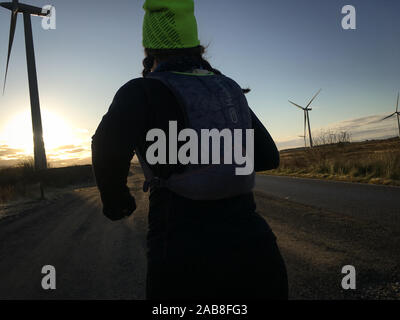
pixel 113 146
pixel 266 154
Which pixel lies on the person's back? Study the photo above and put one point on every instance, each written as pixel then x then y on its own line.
pixel 209 248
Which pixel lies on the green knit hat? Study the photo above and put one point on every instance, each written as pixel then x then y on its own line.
pixel 169 24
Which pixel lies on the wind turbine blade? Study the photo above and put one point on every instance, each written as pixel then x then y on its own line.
pixel 32 10
pixel 389 116
pixel 14 15
pixel 296 105
pixel 397 105
pixel 314 98
pixel 305 124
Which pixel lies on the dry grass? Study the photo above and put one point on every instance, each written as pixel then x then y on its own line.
pixel 375 161
pixel 17 181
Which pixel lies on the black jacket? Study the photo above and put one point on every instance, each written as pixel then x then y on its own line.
pixel 140 105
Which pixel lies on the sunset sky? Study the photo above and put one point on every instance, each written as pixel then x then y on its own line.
pixel 281 49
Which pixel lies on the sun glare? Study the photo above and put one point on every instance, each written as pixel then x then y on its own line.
pixel 60 138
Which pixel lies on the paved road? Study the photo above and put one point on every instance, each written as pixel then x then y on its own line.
pixel 378 203
pixel 94 258
pixel 98 259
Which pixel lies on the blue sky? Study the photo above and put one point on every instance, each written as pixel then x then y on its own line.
pixel 280 49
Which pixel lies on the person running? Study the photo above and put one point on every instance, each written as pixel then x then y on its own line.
pixel 205 239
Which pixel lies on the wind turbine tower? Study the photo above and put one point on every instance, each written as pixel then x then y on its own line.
pixel 26 10
pixel 307 116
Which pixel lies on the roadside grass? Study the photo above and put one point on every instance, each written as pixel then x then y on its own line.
pixel 18 181
pixel 375 162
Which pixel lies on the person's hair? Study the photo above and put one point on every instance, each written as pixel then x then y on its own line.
pixel 163 55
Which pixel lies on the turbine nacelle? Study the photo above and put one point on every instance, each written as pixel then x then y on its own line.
pixel 15 6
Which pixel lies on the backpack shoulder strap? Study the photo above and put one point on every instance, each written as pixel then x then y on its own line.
pixel 163 77
pixel 151 179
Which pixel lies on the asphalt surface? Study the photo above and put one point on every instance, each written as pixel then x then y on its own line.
pixel 319 229
pixel 366 201
pixel 94 258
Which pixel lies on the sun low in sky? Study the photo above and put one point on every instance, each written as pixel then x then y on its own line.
pixel 64 143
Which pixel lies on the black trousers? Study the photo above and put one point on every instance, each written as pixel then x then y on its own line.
pixel 211 250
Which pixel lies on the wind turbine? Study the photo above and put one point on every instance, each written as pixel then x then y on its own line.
pixel 27 11
pixel 397 113
pixel 307 117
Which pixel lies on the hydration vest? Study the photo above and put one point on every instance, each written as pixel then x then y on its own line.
pixel 208 102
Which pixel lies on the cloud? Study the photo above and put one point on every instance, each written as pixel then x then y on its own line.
pixel 370 127
pixel 11 156
pixel 66 147
pixel 364 128
pixel 77 150
pixel 70 152
pixel 60 156
pixel 71 148
pixel 7 152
